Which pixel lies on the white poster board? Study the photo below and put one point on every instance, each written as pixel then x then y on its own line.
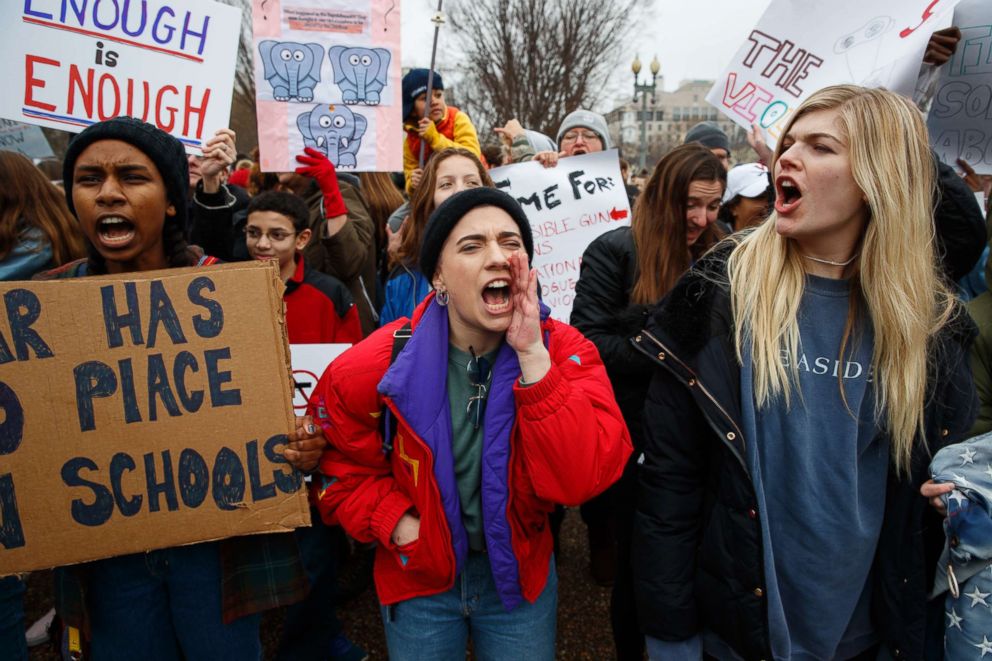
pixel 327 76
pixel 960 119
pixel 801 46
pixel 568 206
pixel 25 139
pixel 169 62
pixel 309 362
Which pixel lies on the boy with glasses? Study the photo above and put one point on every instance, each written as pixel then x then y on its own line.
pixel 319 308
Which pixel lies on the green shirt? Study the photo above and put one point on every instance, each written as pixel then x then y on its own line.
pixel 466 443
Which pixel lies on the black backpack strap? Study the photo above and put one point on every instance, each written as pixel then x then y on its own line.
pixel 401 336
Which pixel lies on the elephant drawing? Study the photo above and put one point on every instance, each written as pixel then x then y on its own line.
pixel 291 68
pixel 334 130
pixel 360 73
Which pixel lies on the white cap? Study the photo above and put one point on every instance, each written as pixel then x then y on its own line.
pixel 746 180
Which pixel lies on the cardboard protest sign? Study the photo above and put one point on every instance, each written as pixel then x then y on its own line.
pixel 800 46
pixel 25 139
pixel 960 119
pixel 309 363
pixel 327 75
pixel 168 62
pixel 141 412
pixel 568 206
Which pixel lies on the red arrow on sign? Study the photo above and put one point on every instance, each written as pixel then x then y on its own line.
pixel 616 214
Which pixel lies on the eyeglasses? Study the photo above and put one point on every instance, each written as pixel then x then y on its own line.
pixel 275 236
pixel 587 136
pixel 479 373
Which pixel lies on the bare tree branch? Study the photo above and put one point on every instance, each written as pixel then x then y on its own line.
pixel 538 60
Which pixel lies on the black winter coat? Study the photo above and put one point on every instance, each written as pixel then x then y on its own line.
pixel 602 311
pixel 697 550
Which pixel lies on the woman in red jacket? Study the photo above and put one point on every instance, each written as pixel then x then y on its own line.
pixel 452 453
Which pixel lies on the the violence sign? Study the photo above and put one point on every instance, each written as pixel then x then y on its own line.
pixel 71 63
pixel 143 411
pixel 800 46
pixel 568 206
pixel 960 119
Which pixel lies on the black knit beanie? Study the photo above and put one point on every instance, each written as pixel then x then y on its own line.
pixel 446 216
pixel 165 151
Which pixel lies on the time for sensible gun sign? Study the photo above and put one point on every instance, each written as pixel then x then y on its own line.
pixel 141 412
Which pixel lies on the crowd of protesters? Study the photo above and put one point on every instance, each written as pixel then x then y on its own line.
pixel 744 407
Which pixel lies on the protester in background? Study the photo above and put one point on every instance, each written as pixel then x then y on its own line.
pixel 126 181
pixel 632 191
pixel 624 271
pixel 37 232
pixel 805 373
pixel 342 242
pixel 711 136
pixel 448 172
pixel 748 198
pixel 444 127
pixel 382 198
pixel 521 144
pixel 319 310
pixel 491 412
pixel 581 132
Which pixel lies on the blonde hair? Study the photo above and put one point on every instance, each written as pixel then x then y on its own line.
pixel 896 274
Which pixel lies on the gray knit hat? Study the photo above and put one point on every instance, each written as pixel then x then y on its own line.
pixel 708 134
pixel 590 120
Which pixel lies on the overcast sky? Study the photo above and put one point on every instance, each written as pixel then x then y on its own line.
pixel 692 39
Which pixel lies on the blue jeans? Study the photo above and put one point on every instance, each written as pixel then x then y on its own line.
pixel 164 606
pixel 311 625
pixel 12 643
pixel 438 627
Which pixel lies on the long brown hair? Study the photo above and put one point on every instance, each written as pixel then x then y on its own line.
pixel 422 204
pixel 382 198
pixel 659 222
pixel 29 200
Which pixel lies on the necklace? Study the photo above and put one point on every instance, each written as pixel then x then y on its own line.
pixel 831 262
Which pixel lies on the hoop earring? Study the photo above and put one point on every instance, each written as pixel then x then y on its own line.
pixel 441 297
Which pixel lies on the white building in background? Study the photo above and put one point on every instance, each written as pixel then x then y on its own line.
pixel 668 119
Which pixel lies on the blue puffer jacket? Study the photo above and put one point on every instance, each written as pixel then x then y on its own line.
pixel 964 572
pixel 405 289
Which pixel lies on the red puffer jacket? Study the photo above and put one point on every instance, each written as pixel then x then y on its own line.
pixel 560 440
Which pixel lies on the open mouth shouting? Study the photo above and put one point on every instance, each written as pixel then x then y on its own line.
pixel 496 296
pixel 787 195
pixel 115 231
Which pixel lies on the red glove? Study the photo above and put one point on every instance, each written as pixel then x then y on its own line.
pixel 320 169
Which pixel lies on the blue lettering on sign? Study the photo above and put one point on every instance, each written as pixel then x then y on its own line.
pixel 167 486
pixel 120 463
pixel 158 386
pixel 11 532
pixel 93 379
pixel 219 397
pixel 228 480
pixel 194 478
pixel 114 321
pixel 163 313
pixel 286 482
pixel 189 483
pixel 259 491
pixel 214 324
pixel 23 309
pixel 87 514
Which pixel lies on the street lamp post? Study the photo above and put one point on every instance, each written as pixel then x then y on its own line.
pixel 643 90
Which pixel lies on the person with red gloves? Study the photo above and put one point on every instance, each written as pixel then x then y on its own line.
pixel 342 244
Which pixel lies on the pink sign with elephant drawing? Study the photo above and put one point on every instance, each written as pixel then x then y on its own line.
pixel 327 76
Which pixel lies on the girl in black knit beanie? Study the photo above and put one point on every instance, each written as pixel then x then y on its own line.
pixel 126 182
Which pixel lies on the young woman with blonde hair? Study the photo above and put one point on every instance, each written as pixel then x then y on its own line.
pixel 806 372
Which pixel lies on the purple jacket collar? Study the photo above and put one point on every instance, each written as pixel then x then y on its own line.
pixel 416 383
